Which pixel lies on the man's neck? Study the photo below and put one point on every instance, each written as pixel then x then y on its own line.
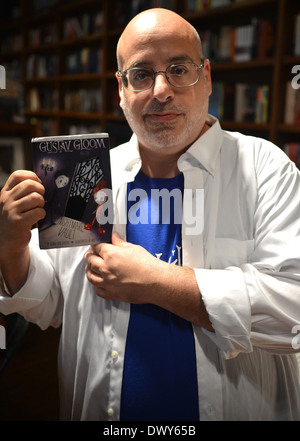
pixel 162 170
pixel 159 167
pixel 162 163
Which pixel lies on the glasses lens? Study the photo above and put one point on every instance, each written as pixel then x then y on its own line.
pixel 139 78
pixel 182 75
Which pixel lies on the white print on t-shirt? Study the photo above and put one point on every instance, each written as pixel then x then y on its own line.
pixel 176 261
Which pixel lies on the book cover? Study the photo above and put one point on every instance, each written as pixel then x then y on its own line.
pixel 75 171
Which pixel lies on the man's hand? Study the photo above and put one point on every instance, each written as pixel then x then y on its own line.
pixel 21 206
pixel 128 273
pixel 122 271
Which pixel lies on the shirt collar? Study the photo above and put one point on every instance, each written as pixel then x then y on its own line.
pixel 132 155
pixel 205 149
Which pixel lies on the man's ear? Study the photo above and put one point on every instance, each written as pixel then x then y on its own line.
pixel 120 87
pixel 207 76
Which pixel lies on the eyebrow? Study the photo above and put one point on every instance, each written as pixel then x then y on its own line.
pixel 171 60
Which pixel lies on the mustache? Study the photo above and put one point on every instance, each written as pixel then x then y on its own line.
pixel 158 107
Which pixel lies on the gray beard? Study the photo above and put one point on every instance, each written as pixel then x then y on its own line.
pixel 161 136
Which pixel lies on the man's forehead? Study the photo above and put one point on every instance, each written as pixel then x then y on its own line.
pixel 155 50
pixel 167 60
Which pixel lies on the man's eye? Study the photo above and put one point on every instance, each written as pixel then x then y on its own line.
pixel 141 75
pixel 179 70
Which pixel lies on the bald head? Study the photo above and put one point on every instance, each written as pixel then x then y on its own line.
pixel 152 24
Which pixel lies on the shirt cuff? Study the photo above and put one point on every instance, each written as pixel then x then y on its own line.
pixel 225 296
pixel 35 289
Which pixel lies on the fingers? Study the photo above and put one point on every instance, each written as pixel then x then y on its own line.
pixel 23 185
pixel 93 267
pixel 117 240
pixel 19 176
pixel 101 248
pixel 94 275
pixel 21 202
pixel 18 189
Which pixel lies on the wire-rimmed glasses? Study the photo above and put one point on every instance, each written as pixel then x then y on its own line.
pixel 138 79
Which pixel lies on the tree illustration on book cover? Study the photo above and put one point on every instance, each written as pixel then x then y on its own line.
pixel 75 171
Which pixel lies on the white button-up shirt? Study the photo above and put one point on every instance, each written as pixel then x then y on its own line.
pixel 247 265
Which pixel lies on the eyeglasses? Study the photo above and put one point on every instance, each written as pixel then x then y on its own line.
pixel 138 79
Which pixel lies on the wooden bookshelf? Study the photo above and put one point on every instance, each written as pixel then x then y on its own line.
pixel 44 35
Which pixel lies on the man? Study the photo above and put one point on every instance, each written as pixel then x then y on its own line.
pixel 143 338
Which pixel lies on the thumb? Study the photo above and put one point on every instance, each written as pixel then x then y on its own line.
pixel 117 240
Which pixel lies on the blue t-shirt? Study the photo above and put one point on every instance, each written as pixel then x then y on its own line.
pixel 160 376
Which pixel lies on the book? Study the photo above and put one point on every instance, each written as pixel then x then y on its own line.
pixel 75 171
pixel 216 100
pixel 297 35
pixel 244 43
pixel 83 61
pixel 292 150
pixel 240 102
pixel 292 105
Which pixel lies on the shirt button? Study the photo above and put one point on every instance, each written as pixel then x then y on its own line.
pixel 114 355
pixel 110 412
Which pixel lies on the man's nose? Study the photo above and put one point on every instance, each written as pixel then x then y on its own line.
pixel 162 89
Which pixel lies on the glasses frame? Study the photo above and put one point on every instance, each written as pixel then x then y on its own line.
pixel 123 74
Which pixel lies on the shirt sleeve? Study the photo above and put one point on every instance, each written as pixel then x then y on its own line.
pixel 39 300
pixel 257 302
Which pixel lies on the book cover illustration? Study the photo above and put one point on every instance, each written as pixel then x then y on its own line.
pixel 75 171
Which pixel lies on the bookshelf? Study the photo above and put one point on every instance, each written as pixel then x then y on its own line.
pixel 64 53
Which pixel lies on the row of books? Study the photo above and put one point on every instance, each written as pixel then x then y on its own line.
pixel 203 5
pixel 79 27
pixel 11 102
pixel 42 35
pixel 84 100
pixel 122 11
pixel 12 43
pixel 45 126
pixel 292 149
pixel 43 5
pixel 12 105
pixel 80 128
pixel 11 10
pixel 41 66
pixel 86 60
pixel 13 69
pixel 292 104
pixel 241 43
pixel 83 61
pixel 42 99
pixel 240 102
